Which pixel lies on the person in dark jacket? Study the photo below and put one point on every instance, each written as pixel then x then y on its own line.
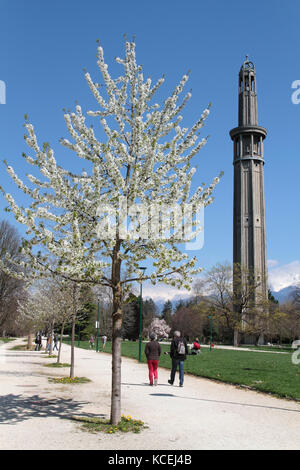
pixel 178 353
pixel 38 342
pixel 55 339
pixel 152 352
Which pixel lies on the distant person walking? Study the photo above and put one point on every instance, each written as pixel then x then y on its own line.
pixel 55 339
pixel 152 352
pixel 38 342
pixel 48 344
pixel 104 339
pixel 92 342
pixel 178 353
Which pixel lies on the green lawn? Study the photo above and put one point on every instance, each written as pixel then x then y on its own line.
pixel 270 348
pixel 266 372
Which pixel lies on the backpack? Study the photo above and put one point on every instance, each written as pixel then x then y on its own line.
pixel 180 347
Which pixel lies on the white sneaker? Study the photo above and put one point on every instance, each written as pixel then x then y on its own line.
pixel 155 381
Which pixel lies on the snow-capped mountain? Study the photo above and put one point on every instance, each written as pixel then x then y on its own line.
pixel 285 294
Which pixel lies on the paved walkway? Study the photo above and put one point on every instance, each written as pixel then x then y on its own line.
pixel 34 414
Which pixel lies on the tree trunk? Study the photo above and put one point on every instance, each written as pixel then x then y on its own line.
pixel 29 342
pixel 51 339
pixel 261 339
pixel 60 342
pixel 72 348
pixel 116 365
pixel 236 338
pixel 51 346
pixel 115 415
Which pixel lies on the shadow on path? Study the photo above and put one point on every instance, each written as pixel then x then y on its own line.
pixel 145 384
pixel 225 402
pixel 23 374
pixel 19 356
pixel 18 408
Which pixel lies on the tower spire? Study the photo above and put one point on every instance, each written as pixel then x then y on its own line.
pixel 247 94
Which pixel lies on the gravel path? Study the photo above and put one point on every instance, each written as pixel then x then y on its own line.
pixel 34 414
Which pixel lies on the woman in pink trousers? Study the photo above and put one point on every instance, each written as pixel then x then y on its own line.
pixel 152 352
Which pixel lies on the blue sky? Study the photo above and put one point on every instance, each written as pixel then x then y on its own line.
pixel 46 45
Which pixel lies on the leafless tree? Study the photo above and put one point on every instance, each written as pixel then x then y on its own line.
pixel 237 304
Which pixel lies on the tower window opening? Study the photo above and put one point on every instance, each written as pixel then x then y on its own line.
pixel 237 150
pixel 259 147
pixel 252 84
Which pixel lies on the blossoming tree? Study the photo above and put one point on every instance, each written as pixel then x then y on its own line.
pixel 160 328
pixel 52 302
pixel 138 172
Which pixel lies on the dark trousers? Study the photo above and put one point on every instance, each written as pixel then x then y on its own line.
pixel 175 364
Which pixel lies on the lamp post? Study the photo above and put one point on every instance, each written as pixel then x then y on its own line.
pixel 210 331
pixel 98 324
pixel 142 268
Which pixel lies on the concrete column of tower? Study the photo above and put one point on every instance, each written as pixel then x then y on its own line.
pixel 249 230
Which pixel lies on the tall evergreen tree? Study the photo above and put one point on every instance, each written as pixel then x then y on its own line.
pixel 131 313
pixel 149 313
pixel 167 312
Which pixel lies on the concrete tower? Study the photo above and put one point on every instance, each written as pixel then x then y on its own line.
pixel 249 231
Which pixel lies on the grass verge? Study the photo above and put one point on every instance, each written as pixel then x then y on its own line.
pixel 22 347
pixel 7 340
pixel 94 425
pixel 58 365
pixel 68 380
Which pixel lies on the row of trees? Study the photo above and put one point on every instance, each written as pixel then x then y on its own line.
pixel 214 299
pixel 193 319
pixel 47 305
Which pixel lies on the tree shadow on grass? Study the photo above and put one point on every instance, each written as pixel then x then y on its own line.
pixel 17 408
